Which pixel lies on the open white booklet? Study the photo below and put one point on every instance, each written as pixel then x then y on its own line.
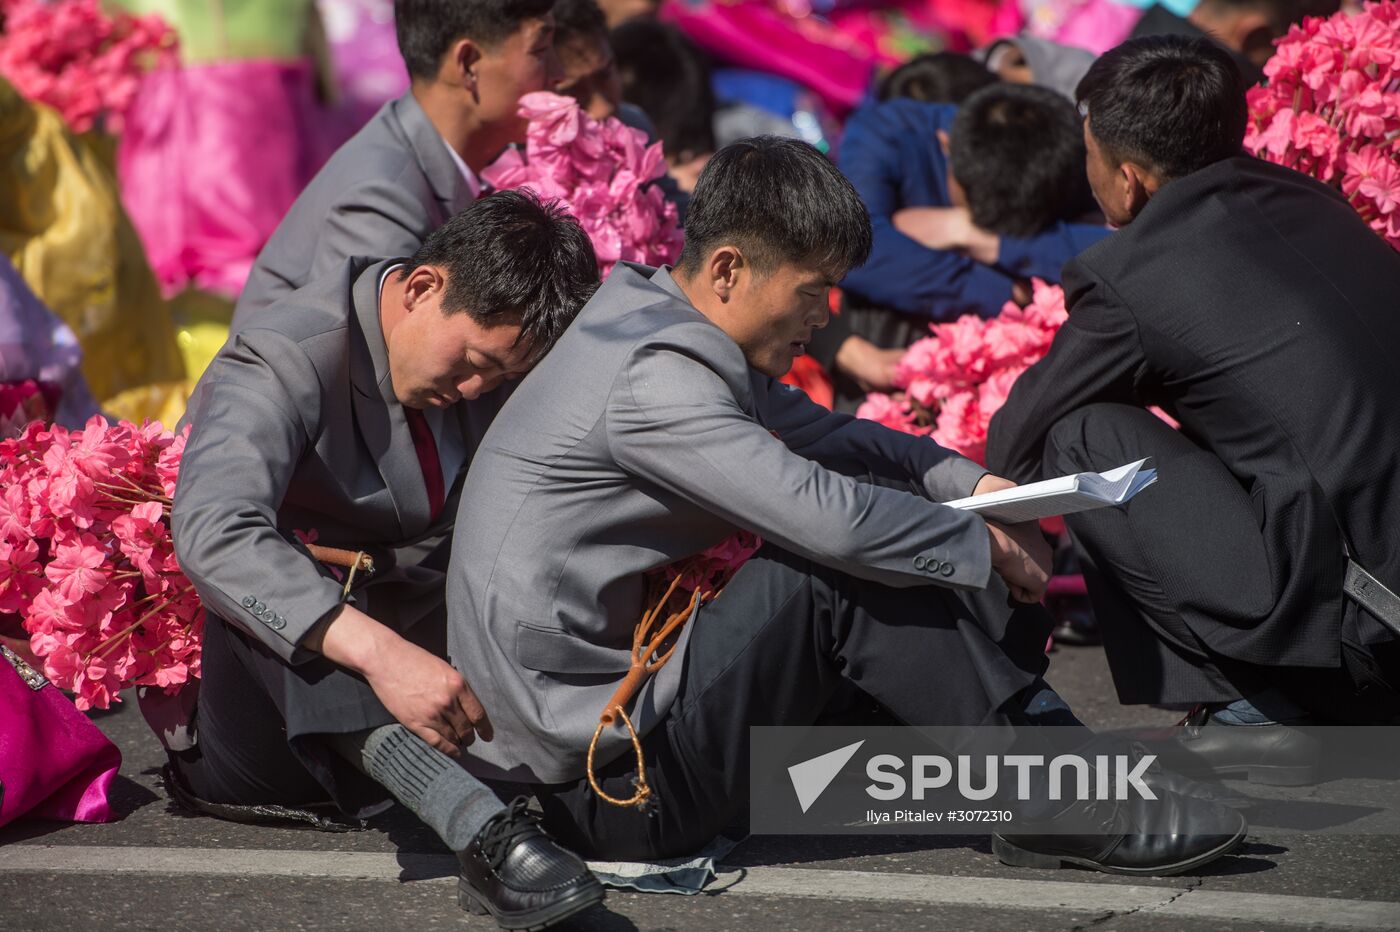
pixel 1062 496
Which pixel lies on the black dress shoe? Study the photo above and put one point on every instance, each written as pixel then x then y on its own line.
pixel 1278 755
pixel 521 877
pixel 1156 838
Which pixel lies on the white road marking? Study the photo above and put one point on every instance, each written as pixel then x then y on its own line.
pixel 1081 897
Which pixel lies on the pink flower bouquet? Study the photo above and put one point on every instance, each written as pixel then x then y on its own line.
pixel 954 380
pixel 602 172
pixel 83 62
pixel 86 558
pixel 1330 108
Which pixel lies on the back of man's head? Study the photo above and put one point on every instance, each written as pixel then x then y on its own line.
pixel 1170 104
pixel 427 29
pixel 778 201
pixel 1018 152
pixel 578 18
pixel 512 257
pixel 936 77
pixel 665 75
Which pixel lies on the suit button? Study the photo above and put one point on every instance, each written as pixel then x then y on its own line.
pixel 275 622
pixel 920 562
pixel 249 601
pixel 948 569
pixel 259 608
pixel 933 565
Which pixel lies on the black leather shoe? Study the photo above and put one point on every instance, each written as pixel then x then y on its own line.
pixel 1278 755
pixel 1155 838
pixel 521 877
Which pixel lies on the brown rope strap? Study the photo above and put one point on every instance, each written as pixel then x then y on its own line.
pixel 356 561
pixel 648 640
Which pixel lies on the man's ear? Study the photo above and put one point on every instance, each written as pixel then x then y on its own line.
pixel 423 283
pixel 1139 186
pixel 459 65
pixel 943 141
pixel 726 266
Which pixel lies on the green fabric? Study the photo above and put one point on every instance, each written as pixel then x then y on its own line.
pixel 230 30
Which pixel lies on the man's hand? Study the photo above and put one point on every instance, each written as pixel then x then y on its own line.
pixel 871 367
pixel 1021 555
pixel 948 228
pixel 935 227
pixel 423 692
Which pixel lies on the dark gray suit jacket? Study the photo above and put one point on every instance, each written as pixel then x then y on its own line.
pixel 1257 308
pixel 296 428
pixel 380 195
pixel 643 438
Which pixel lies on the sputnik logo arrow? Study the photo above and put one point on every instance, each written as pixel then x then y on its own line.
pixel 811 777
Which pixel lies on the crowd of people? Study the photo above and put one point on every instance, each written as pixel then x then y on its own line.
pixel 449 493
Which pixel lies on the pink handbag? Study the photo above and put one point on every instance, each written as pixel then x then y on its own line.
pixel 54 763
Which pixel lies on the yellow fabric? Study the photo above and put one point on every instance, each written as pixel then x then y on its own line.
pixel 63 226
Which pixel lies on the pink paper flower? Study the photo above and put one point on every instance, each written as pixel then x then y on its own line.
pixel 86 558
pixel 80 60
pixel 602 172
pixel 959 376
pixel 1331 108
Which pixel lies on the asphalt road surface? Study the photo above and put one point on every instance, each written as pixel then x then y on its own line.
pixel 157 868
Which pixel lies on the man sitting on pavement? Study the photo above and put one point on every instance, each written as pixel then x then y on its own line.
pixel 346 419
pixel 1258 309
pixel 656 429
pixel 416 163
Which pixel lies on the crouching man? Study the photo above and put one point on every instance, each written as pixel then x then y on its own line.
pixel 656 429
pixel 349 424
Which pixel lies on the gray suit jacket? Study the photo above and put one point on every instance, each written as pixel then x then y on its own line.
pixel 296 428
pixel 380 195
pixel 643 438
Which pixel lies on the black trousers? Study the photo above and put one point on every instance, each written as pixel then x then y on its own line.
pixel 780 642
pixel 1198 530
pixel 261 724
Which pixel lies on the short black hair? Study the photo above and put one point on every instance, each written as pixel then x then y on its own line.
pixel 665 75
pixel 426 29
pixel 936 77
pixel 780 201
pixel 1018 152
pixel 1169 103
pixel 511 255
pixel 574 18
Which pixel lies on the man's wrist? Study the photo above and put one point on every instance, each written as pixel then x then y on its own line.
pixel 349 638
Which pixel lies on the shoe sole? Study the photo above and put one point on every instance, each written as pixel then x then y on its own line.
pixel 1013 856
pixel 581 899
pixel 1268 775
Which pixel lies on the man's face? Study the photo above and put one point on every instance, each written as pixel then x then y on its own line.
pixel 1108 182
pixel 522 63
pixel 776 313
pixel 437 359
pixel 590 75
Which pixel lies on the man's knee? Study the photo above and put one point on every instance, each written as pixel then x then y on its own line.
pixel 1100 436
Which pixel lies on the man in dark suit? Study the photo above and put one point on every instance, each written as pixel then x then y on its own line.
pixel 416 163
pixel 1254 306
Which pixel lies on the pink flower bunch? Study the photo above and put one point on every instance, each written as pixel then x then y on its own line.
pixel 83 62
pixel 708 571
pixel 1330 108
pixel 86 558
pixel 954 380
pixel 602 172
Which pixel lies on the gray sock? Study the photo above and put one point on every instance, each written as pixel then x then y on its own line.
pixel 430 784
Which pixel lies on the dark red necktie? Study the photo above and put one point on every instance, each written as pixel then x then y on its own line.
pixel 428 461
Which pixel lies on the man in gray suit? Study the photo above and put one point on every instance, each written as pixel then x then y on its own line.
pixel 347 420
pixel 415 164
pixel 657 428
